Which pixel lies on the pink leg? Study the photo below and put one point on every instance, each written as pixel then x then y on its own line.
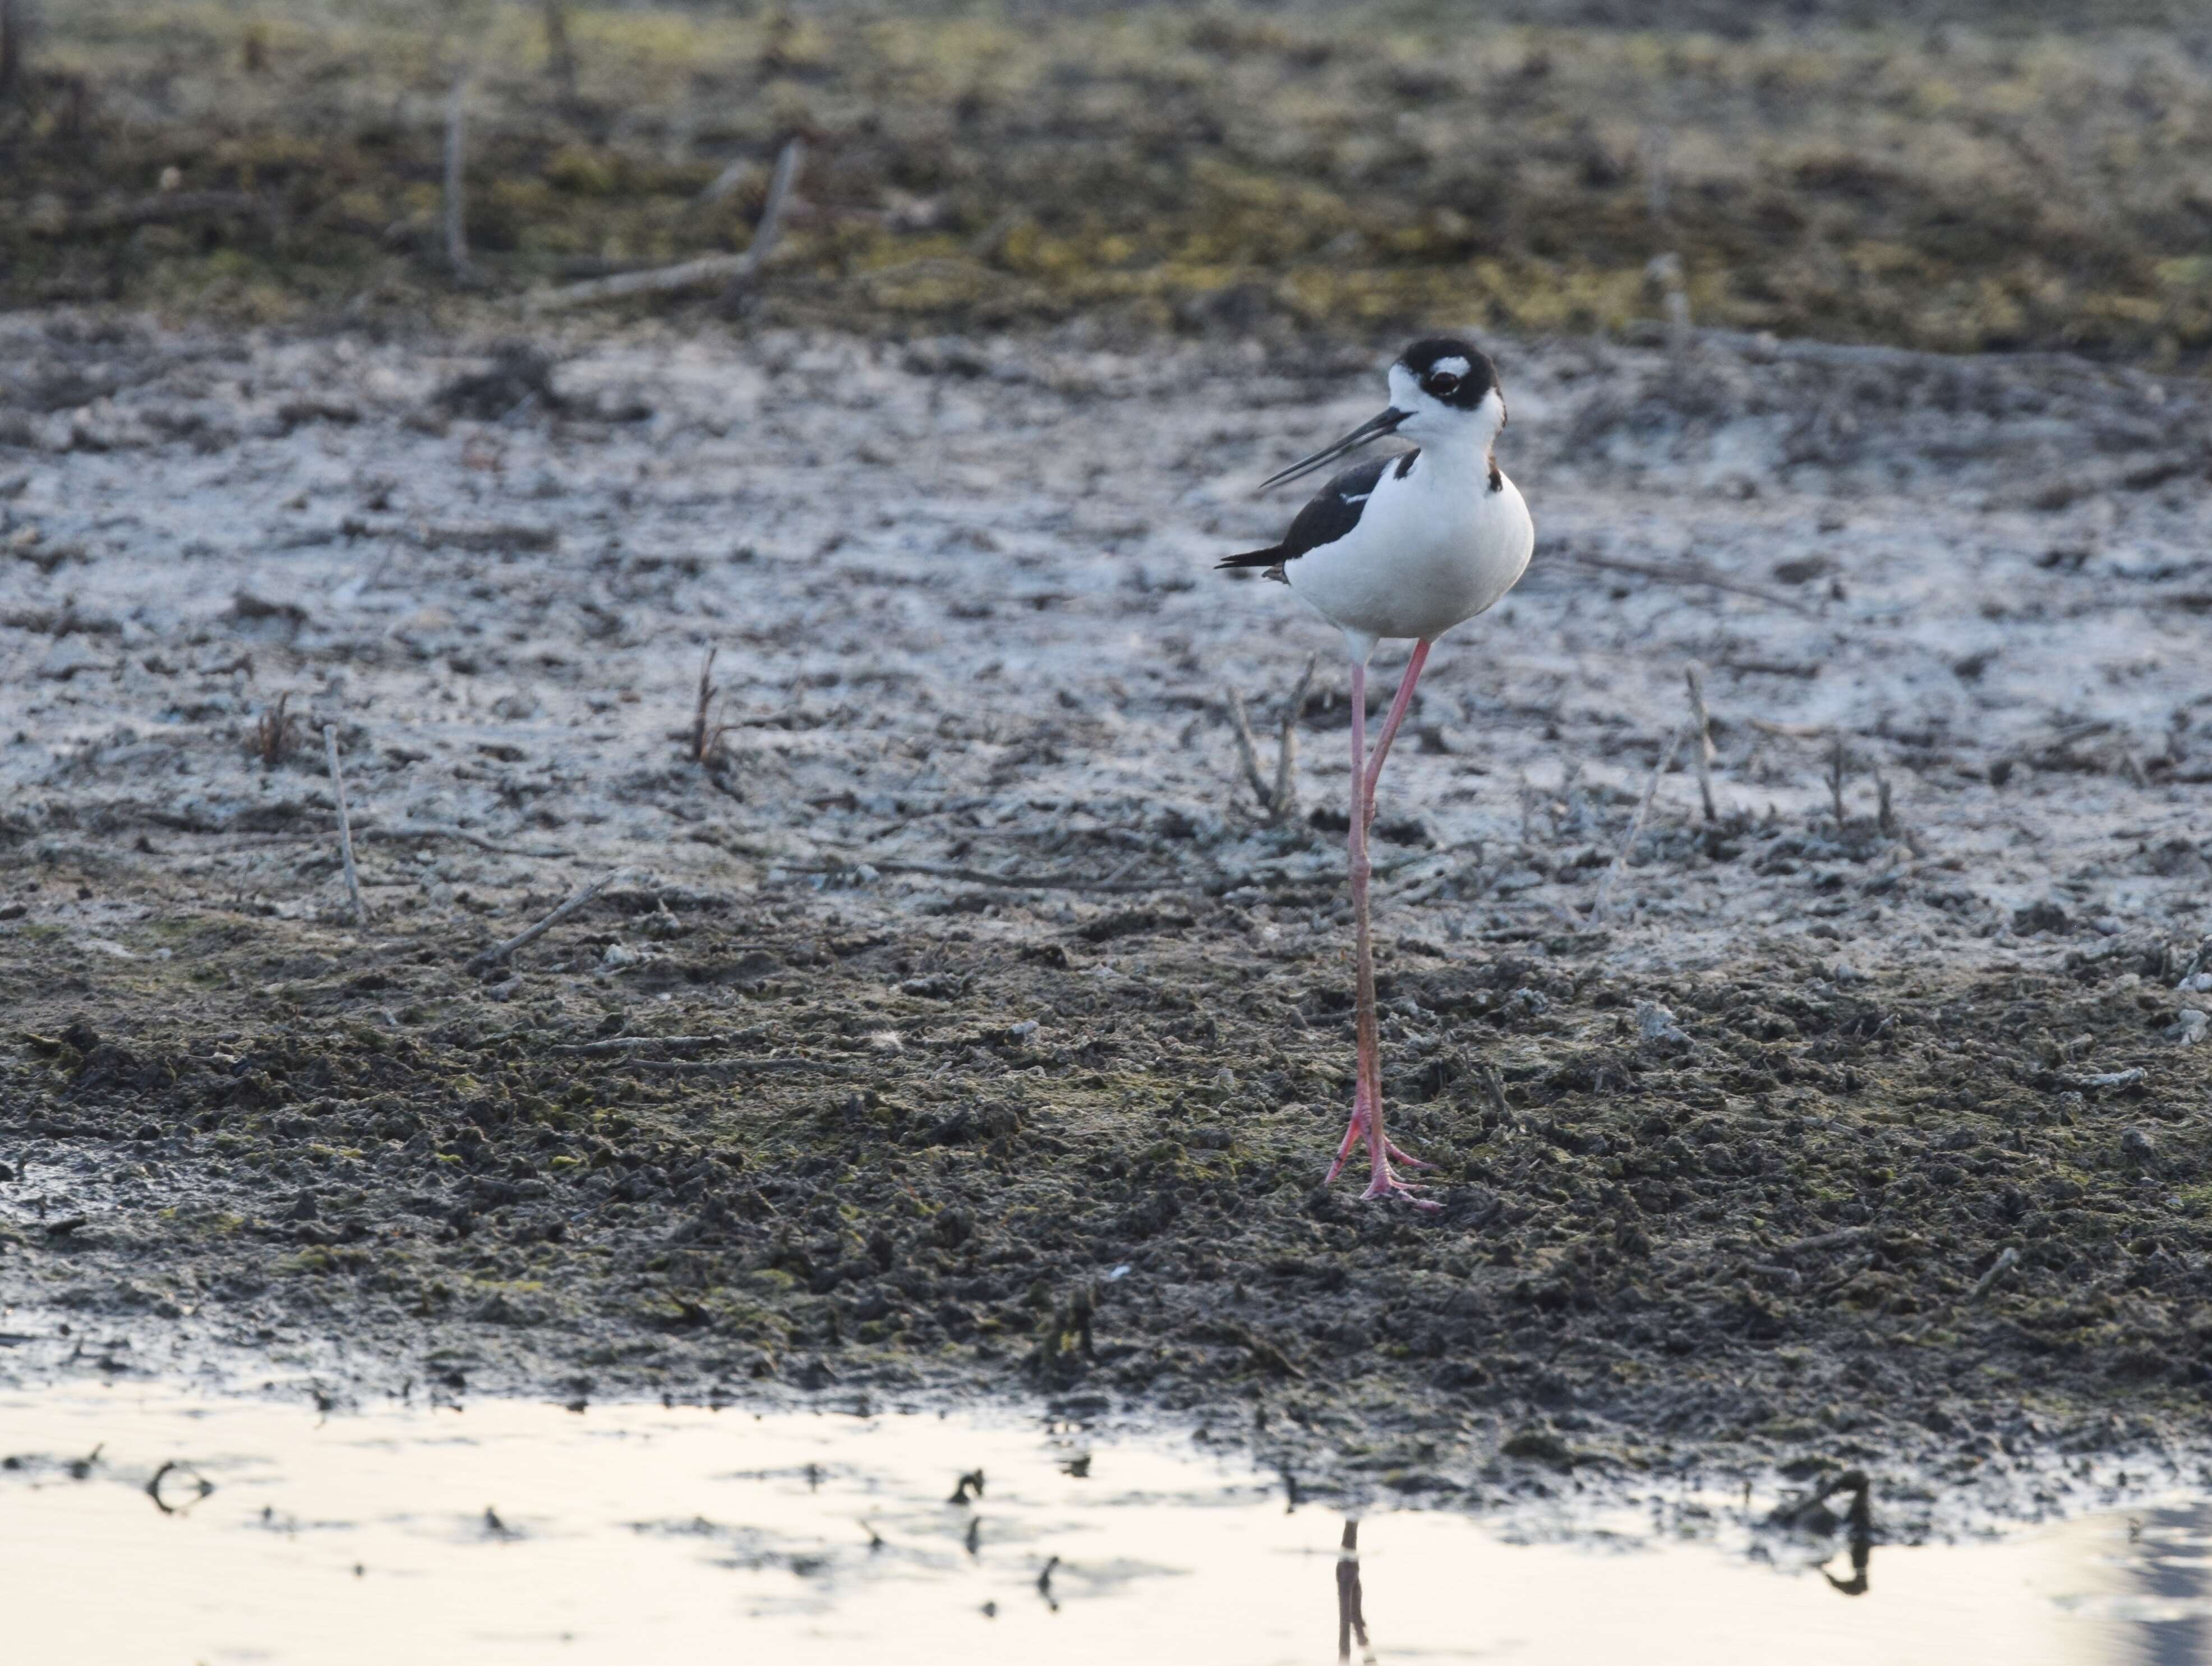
pixel 1367 1100
pixel 1398 708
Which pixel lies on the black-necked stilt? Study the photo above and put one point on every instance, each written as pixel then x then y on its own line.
pixel 1405 546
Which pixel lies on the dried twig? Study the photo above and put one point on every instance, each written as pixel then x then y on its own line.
pixel 738 1066
pixel 635 1043
pixel 1701 746
pixel 724 182
pixel 1792 730
pixel 1683 572
pixel 771 227
pixel 457 231
pixel 1635 829
pixel 706 734
pixel 499 951
pixel 1843 1238
pixel 734 270
pixel 1279 800
pixel 345 822
pixel 2007 1259
pixel 1836 778
pixel 976 876
pixel 2109 1078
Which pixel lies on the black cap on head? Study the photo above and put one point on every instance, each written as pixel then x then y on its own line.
pixel 1450 370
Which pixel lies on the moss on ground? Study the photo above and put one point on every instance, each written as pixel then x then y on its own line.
pixel 1352 170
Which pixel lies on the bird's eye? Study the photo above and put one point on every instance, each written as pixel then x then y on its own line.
pixel 1442 383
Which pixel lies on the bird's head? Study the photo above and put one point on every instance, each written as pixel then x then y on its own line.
pixel 1448 390
pixel 1444 395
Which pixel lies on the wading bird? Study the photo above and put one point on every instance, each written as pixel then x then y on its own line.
pixel 1405 546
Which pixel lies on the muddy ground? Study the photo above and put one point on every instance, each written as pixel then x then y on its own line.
pixel 962 1025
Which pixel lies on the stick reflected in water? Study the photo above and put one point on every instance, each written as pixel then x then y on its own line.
pixel 1351 1615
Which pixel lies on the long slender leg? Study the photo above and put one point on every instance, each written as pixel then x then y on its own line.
pixel 1367 1100
pixel 1363 1093
pixel 1398 709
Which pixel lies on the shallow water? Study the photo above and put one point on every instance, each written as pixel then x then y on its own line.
pixel 510 1532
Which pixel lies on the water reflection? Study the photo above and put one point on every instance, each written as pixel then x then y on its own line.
pixel 1810 1514
pixel 2163 1582
pixel 645 1533
pixel 1351 1610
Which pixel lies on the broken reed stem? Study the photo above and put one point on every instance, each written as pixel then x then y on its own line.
pixel 2007 1259
pixel 701 713
pixel 739 270
pixel 1682 572
pixel 457 231
pixel 771 224
pixel 1836 777
pixel 1282 798
pixel 345 822
pixel 560 57
pixel 1702 745
pixel 12 30
pixel 522 940
pixel 1247 751
pixel 1635 830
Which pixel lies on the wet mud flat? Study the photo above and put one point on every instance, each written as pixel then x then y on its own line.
pixel 954 1021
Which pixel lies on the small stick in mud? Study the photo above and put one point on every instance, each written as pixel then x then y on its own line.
pixel 1279 800
pixel 1493 1088
pixel 457 231
pixel 1702 745
pixel 1835 777
pixel 706 733
pixel 2007 1259
pixel 447 831
pixel 739 270
pixel 974 1478
pixel 1682 572
pixel 498 951
pixel 1635 830
pixel 771 227
pixel 345 822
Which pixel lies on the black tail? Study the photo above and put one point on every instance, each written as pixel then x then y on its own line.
pixel 1270 557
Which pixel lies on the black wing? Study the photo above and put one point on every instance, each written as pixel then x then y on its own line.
pixel 1334 511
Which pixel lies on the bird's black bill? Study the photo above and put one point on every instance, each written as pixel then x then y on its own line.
pixel 1374 428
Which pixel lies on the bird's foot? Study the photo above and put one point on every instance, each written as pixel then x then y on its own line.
pixel 1386 1186
pixel 1355 1133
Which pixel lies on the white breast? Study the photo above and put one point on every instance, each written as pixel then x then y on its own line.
pixel 1433 548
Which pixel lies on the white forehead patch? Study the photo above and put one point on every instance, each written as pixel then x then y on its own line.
pixel 1453 366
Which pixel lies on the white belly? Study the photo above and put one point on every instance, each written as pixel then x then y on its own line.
pixel 1430 552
